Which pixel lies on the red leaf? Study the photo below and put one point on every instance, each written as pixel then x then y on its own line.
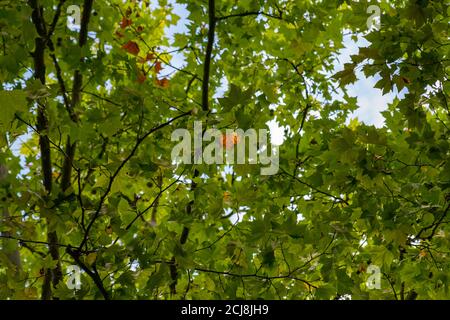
pixel 158 67
pixel 131 47
pixel 163 82
pixel 148 57
pixel 228 141
pixel 125 23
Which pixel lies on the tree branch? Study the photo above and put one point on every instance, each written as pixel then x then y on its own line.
pixel 78 78
pixel 54 23
pixel 62 87
pixel 433 226
pixel 116 173
pixel 42 126
pixel 153 202
pixel 93 274
pixel 33 241
pixel 339 199
pixel 255 275
pixel 207 63
pixel 183 238
pixel 250 13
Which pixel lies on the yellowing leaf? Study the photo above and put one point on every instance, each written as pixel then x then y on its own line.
pixel 91 257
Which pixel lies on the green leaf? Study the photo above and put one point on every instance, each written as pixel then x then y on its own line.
pixel 12 101
pixel 347 75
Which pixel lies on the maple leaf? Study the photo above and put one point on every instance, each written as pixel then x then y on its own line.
pixel 125 23
pixel 148 57
pixel 227 197
pixel 163 82
pixel 347 75
pixel 132 47
pixel 158 67
pixel 228 141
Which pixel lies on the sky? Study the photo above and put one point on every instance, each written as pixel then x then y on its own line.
pixel 371 101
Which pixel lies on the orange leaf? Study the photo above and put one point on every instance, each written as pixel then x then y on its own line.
pixel 150 56
pixel 235 138
pixel 131 47
pixel 163 82
pixel 158 67
pixel 223 142
pixel 228 141
pixel 227 198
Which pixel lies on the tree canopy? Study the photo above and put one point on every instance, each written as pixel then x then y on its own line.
pixel 92 91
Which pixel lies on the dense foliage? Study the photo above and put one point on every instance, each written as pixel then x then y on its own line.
pixel 87 179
